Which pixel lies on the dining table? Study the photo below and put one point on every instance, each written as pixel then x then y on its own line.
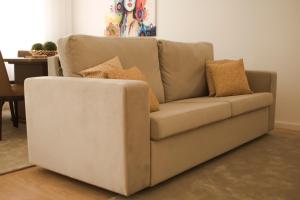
pixel 27 67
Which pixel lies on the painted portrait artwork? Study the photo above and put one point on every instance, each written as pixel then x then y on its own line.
pixel 130 18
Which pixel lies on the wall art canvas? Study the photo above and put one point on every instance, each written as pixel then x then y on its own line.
pixel 130 18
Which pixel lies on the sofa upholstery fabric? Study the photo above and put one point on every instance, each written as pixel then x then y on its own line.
pixel 54 67
pixel 177 118
pixel 264 81
pixel 86 131
pixel 134 74
pixel 239 104
pixel 183 69
pixel 177 154
pixel 100 131
pixel 79 52
pixel 246 103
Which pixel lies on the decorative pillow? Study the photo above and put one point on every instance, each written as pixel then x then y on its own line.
pixel 134 74
pixel 230 78
pixel 100 70
pixel 210 81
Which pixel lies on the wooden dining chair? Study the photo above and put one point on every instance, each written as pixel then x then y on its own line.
pixel 11 93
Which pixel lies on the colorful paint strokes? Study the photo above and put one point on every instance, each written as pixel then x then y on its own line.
pixel 130 18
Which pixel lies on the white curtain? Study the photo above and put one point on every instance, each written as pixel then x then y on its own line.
pixel 26 22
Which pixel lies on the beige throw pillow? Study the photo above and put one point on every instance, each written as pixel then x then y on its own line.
pixel 229 78
pixel 134 74
pixel 100 70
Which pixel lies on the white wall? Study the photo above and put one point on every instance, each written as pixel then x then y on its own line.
pixel 32 21
pixel 58 19
pixel 88 17
pixel 264 32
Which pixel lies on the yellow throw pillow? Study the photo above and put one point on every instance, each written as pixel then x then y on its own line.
pixel 134 74
pixel 210 81
pixel 100 70
pixel 229 78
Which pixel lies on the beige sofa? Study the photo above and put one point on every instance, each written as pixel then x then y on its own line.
pixel 101 131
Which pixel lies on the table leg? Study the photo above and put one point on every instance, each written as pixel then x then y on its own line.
pixel 21 111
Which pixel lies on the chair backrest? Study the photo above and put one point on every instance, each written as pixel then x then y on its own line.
pixel 5 88
pixel 23 53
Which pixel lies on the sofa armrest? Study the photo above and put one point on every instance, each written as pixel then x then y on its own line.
pixel 97 131
pixel 54 68
pixel 263 81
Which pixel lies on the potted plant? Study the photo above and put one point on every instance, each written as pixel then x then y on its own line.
pixel 43 50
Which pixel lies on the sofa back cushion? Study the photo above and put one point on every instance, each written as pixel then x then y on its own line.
pixel 183 69
pixel 80 52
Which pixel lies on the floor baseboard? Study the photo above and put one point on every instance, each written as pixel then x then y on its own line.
pixel 287 125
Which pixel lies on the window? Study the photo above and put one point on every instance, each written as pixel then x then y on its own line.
pixel 26 22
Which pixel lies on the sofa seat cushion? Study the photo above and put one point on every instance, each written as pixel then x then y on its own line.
pixel 239 104
pixel 177 117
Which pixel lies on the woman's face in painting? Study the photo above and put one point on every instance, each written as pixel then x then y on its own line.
pixel 129 5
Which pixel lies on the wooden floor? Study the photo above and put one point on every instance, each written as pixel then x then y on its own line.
pixel 287 131
pixel 39 184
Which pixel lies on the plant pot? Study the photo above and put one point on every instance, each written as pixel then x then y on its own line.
pixel 43 53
